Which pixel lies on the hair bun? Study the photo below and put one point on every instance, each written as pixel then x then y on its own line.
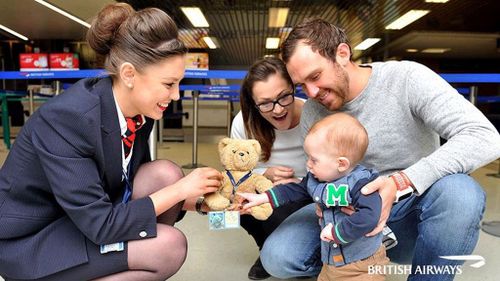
pixel 106 24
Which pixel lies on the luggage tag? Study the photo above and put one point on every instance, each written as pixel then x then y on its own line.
pixel 114 247
pixel 223 220
pixel 232 219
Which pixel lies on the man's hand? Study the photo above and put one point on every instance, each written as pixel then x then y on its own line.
pixel 387 190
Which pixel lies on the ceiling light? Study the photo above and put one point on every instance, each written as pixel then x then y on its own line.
pixel 407 18
pixel 411 50
pixel 436 50
pixel 436 1
pixel 272 42
pixel 13 32
pixel 277 17
pixel 195 16
pixel 367 43
pixel 66 14
pixel 210 42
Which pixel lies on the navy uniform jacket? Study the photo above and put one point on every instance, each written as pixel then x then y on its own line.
pixel 350 243
pixel 61 182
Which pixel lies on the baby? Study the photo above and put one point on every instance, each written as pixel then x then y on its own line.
pixel 334 146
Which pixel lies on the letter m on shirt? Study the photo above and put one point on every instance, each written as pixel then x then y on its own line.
pixel 336 196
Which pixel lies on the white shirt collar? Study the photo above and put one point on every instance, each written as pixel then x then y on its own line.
pixel 121 118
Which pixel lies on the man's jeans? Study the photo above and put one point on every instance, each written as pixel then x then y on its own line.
pixel 443 221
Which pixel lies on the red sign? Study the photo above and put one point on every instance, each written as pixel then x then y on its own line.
pixel 33 62
pixel 64 61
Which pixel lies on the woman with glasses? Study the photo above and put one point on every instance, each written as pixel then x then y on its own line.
pixel 271 114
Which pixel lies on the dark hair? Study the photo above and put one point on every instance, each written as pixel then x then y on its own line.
pixel 321 35
pixel 256 126
pixel 121 34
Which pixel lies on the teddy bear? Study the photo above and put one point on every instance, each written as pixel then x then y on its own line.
pixel 239 157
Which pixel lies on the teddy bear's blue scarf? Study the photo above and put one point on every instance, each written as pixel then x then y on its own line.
pixel 236 184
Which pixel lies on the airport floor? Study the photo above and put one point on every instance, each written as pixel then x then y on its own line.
pixel 228 254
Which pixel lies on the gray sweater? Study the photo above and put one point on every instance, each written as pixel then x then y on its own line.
pixel 405 107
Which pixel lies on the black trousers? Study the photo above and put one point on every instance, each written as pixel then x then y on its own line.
pixel 260 230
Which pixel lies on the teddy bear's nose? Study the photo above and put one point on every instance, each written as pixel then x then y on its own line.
pixel 241 154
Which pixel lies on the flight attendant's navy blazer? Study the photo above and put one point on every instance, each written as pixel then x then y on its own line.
pixel 62 182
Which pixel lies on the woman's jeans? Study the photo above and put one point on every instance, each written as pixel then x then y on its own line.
pixel 443 221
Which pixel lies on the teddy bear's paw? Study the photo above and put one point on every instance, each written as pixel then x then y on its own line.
pixel 218 204
pixel 262 212
pixel 262 184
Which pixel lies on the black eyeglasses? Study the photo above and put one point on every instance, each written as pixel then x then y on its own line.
pixel 269 106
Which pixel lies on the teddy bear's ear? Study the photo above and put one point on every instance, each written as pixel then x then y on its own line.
pixel 256 146
pixel 223 143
